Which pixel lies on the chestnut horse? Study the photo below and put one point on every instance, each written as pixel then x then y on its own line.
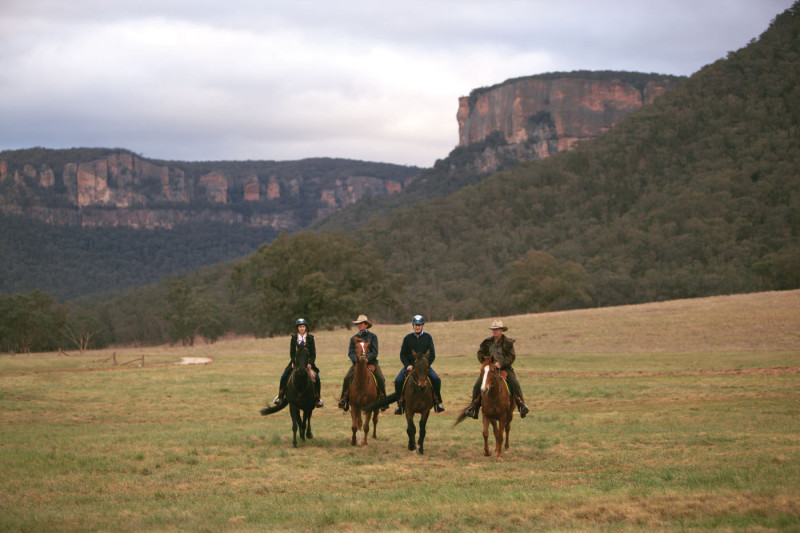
pixel 362 392
pixel 496 405
pixel 300 396
pixel 418 398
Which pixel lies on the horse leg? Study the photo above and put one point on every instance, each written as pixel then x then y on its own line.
pixel 307 418
pixel 497 426
pixel 411 429
pixel 423 423
pixel 508 429
pixel 366 427
pixel 375 425
pixel 295 416
pixel 301 421
pixel 486 436
pixel 354 415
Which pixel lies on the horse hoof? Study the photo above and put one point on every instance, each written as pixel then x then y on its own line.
pixel 411 447
pixel 309 435
pixel 421 451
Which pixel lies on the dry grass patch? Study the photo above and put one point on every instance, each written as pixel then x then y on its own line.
pixel 673 416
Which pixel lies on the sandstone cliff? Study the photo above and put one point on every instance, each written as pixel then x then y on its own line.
pixel 538 116
pixel 122 189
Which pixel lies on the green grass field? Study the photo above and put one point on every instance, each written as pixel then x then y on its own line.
pixel 671 416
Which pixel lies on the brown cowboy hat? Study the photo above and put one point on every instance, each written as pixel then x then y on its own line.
pixel 498 324
pixel 364 319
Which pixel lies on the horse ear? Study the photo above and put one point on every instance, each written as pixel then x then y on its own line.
pixel 427 355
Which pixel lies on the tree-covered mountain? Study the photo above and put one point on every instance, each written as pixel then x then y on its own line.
pixel 694 195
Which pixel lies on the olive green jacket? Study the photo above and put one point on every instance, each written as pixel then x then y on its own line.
pixel 508 355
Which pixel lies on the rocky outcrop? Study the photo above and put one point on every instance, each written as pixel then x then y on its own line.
pixel 123 189
pixel 541 115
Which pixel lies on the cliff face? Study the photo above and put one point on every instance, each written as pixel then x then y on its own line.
pixel 123 189
pixel 541 115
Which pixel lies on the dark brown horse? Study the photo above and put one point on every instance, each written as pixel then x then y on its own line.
pixel 300 396
pixel 362 392
pixel 496 405
pixel 418 398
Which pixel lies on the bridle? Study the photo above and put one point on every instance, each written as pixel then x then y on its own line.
pixel 418 377
pixel 486 370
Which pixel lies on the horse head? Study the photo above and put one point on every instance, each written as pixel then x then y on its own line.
pixel 302 358
pixel 420 368
pixel 362 347
pixel 489 372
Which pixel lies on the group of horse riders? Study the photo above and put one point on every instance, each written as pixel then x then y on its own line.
pixel 498 347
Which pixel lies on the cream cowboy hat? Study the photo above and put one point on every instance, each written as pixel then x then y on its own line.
pixel 363 318
pixel 498 324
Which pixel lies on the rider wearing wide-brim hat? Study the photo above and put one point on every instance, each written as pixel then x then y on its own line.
pixel 301 337
pixel 363 324
pixel 421 342
pixel 501 349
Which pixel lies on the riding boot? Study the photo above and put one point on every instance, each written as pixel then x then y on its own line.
pixel 317 399
pixel 343 401
pixel 382 394
pixel 279 398
pixel 523 409
pixel 400 408
pixel 472 410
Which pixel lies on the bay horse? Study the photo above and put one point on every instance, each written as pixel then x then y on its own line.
pixel 418 398
pixel 496 405
pixel 300 396
pixel 362 392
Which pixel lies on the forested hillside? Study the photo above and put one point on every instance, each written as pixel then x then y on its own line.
pixel 695 195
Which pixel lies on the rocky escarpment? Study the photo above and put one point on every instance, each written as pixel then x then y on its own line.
pixel 538 116
pixel 96 187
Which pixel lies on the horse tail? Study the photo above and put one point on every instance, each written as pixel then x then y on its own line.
pixel 461 417
pixel 390 399
pixel 274 409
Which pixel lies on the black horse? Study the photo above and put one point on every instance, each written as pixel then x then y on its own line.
pixel 299 396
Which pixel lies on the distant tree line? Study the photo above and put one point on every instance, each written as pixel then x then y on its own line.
pixel 323 277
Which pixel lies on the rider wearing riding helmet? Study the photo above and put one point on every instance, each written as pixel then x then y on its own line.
pixel 420 342
pixel 300 338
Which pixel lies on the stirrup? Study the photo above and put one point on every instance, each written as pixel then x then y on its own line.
pixel 278 400
pixel 439 408
pixel 319 402
pixel 400 410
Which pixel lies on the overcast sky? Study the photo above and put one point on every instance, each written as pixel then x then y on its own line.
pixel 374 80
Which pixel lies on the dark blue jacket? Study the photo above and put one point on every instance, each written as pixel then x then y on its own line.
pixel 372 353
pixel 420 344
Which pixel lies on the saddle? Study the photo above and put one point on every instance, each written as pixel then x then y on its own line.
pixel 405 380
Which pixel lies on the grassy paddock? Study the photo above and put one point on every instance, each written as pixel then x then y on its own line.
pixel 655 417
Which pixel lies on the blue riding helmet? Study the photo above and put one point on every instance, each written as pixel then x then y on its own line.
pixel 418 320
